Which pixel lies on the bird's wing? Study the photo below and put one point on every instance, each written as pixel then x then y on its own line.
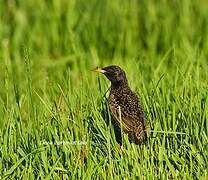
pixel 133 126
pixel 128 113
pixel 128 124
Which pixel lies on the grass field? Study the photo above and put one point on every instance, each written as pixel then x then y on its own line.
pixel 53 109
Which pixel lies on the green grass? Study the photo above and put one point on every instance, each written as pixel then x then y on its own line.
pixel 49 95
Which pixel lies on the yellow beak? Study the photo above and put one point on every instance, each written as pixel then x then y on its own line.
pixel 100 70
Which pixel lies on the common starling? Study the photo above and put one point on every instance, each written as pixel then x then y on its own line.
pixel 125 107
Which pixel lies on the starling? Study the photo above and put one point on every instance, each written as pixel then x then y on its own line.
pixel 125 107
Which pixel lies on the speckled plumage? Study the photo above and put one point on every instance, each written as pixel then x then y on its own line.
pixel 127 112
pixel 125 106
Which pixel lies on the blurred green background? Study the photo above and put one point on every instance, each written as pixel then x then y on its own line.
pixel 47 92
pixel 79 31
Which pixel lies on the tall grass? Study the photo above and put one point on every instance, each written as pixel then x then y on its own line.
pixel 54 121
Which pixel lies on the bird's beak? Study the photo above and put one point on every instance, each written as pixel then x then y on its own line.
pixel 100 70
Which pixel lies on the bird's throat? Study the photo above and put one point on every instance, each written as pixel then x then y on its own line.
pixel 120 86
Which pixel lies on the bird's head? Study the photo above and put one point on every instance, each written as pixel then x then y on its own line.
pixel 114 73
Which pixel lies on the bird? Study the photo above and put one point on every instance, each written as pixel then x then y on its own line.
pixel 125 106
